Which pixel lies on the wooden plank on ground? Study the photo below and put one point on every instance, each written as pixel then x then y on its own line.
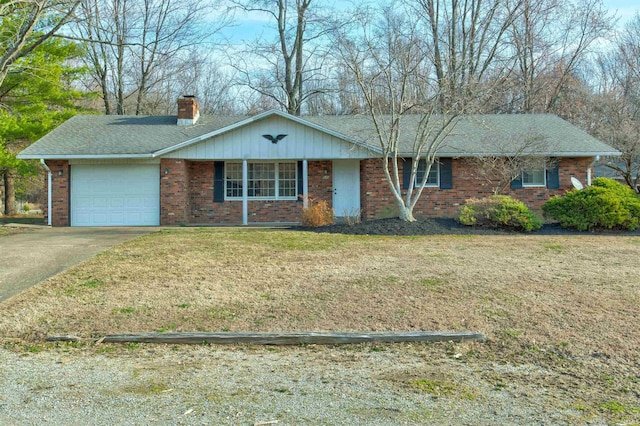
pixel 297 338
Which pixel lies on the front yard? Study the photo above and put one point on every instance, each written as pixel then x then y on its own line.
pixel 564 303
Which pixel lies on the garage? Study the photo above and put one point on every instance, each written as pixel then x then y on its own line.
pixel 115 195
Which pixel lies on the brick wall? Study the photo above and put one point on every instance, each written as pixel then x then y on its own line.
pixel 195 205
pixel 174 191
pixel 60 187
pixel 378 202
pixel 186 193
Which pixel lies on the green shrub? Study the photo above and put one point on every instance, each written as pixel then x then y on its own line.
pixel 606 204
pixel 499 212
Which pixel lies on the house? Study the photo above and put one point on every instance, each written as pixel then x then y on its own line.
pixel 168 170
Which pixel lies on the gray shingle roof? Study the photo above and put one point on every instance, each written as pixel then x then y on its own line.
pixel 141 136
pixel 90 135
pixel 497 134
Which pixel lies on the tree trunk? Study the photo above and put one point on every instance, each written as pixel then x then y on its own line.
pixel 9 194
pixel 1 192
pixel 406 214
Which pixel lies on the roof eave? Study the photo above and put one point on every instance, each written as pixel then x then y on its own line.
pixel 79 156
pixel 508 154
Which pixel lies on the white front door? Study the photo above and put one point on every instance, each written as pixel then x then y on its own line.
pixel 346 188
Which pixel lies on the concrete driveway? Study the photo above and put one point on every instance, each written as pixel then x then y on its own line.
pixel 41 252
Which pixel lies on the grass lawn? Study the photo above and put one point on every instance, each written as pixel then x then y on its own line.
pixel 9 230
pixel 567 303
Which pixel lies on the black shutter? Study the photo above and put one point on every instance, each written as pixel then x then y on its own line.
pixel 553 176
pixel 406 173
pixel 218 181
pixel 517 182
pixel 446 173
pixel 300 182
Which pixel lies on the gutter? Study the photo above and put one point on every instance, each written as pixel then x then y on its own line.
pixel 80 156
pixel 48 190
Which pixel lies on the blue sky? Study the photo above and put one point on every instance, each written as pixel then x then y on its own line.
pixel 249 27
pixel 625 9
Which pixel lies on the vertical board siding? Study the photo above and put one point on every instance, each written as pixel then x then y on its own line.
pixel 247 142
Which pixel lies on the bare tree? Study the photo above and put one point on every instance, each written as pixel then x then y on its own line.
pixel 136 45
pixel 467 40
pixel 292 60
pixel 617 108
pixel 551 40
pixel 387 62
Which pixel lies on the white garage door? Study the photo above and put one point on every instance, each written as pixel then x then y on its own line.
pixel 115 195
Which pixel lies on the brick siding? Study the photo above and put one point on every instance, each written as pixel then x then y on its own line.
pixel 377 201
pixel 186 196
pixel 60 187
pixel 174 191
pixel 186 193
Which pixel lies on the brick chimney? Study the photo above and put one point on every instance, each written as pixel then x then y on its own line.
pixel 188 110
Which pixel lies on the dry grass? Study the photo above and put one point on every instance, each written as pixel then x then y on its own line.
pixel 10 230
pixel 553 290
pixel 566 303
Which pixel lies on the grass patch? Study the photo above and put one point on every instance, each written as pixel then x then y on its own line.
pixel 32 349
pixel 147 388
pixel 442 388
pixel 554 247
pixel 95 283
pixel 126 310
pixel 10 230
pixel 432 282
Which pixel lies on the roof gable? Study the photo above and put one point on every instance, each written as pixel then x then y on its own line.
pixel 245 139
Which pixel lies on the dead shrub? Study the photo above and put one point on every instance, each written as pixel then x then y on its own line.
pixel 317 213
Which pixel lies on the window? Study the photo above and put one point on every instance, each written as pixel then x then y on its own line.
pixel 434 174
pixel 534 178
pixel 264 180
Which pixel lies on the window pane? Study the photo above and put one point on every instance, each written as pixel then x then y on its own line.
pixel 262 179
pixel 234 179
pixel 533 177
pixel 287 179
pixel 432 180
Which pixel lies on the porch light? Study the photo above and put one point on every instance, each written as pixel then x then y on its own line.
pixel 60 172
pixel 166 170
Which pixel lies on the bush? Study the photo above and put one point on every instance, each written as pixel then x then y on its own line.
pixel 499 212
pixel 318 213
pixel 606 204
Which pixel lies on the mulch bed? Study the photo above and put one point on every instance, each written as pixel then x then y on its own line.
pixel 394 226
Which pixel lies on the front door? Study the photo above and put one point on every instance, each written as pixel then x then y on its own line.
pixel 346 188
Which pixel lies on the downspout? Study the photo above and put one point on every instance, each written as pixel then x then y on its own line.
pixel 48 190
pixel 589 169
pixel 245 193
pixel 305 184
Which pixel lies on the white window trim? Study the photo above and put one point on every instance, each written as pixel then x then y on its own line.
pixel 277 197
pixel 535 185
pixel 417 183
